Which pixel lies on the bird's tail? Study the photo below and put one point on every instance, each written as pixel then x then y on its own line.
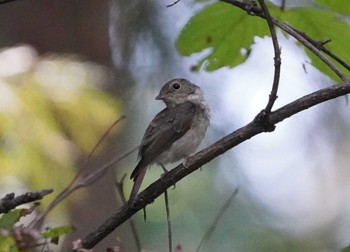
pixel 137 184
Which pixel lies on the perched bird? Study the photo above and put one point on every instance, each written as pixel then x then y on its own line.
pixel 176 131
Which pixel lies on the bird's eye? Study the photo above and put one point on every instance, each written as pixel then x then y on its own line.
pixel 176 86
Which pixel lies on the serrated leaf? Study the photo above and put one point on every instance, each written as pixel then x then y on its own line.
pixel 321 25
pixel 57 232
pixel 224 29
pixel 340 6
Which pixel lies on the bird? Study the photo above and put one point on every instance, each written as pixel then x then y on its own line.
pixel 175 132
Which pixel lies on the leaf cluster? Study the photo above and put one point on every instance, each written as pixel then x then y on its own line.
pixel 229 32
pixel 15 237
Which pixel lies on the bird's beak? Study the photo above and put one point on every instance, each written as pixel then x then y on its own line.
pixel 159 97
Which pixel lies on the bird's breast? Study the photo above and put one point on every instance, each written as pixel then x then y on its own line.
pixel 189 142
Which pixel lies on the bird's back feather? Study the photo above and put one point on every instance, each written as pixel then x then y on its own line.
pixel 168 126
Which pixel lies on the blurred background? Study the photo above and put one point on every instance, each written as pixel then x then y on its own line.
pixel 69 69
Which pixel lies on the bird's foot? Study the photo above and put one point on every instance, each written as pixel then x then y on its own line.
pixel 165 172
pixel 164 169
pixel 161 177
pixel 184 163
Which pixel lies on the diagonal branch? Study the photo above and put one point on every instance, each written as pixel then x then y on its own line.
pixel 206 155
pixel 320 45
pixel 6 1
pixel 212 227
pixel 10 202
pixel 293 32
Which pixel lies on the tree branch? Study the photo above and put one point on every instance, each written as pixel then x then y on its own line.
pixel 10 202
pixel 6 1
pixel 206 155
pixel 277 58
pixel 293 32
pixel 320 45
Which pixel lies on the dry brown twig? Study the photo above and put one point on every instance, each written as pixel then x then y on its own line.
pixel 277 58
pixel 10 202
pixel 120 189
pixel 6 1
pixel 168 218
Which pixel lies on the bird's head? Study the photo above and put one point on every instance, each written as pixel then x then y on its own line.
pixel 179 91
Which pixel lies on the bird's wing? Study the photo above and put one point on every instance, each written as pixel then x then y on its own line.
pixel 168 126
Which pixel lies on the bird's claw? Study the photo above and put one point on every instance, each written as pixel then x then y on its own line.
pixel 184 163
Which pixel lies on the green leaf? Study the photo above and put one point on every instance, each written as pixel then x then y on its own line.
pixel 58 231
pixel 346 249
pixel 321 25
pixel 224 29
pixel 9 219
pixel 8 244
pixel 340 6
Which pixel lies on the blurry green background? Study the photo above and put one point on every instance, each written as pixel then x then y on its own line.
pixel 56 101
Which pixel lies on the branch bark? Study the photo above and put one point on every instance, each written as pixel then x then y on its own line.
pixel 10 202
pixel 6 1
pixel 277 58
pixel 206 155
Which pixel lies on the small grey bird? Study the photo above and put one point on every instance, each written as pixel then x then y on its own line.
pixel 176 131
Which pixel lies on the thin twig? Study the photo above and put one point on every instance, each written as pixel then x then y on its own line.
pixel 76 184
pixel 336 58
pixel 88 157
pixel 292 31
pixel 10 202
pixel 6 1
pixel 204 156
pixel 170 5
pixel 212 227
pixel 168 218
pixel 81 181
pixel 120 189
pixel 321 46
pixel 277 58
pixel 248 6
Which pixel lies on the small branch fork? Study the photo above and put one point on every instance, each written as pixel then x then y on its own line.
pixel 206 155
pixel 263 116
